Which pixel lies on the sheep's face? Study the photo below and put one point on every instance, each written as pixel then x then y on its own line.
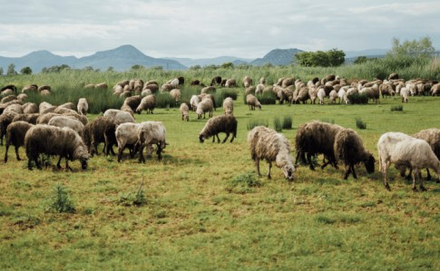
pixel 202 138
pixel 288 171
pixel 369 164
pixel 84 161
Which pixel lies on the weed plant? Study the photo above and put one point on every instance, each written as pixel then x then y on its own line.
pixel 360 124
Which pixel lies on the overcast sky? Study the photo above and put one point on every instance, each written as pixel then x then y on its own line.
pixel 206 28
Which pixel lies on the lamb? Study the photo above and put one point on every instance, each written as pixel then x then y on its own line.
pixel 403 150
pixel 82 106
pixel 220 124
pixel 147 103
pixel 349 148
pixel 228 106
pixel 64 121
pixel 267 144
pixel 315 138
pixel 149 133
pixel 15 134
pixel 184 110
pixel 51 140
pixel 204 106
pixel 321 95
pixel 252 102
pixel 259 89
pixel 404 93
pixel 100 130
pixel 247 81
pixel 175 94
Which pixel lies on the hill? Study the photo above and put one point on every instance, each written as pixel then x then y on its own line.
pixel 121 58
pixel 277 57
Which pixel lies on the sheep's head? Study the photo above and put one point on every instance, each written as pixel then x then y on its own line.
pixel 84 161
pixel 289 171
pixel 201 138
pixel 369 164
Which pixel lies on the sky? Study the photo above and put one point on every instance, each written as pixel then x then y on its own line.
pixel 207 29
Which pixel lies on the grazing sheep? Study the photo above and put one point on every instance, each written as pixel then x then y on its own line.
pixel 83 119
pixel 184 110
pixel 303 95
pixel 63 110
pixel 5 120
pixel 349 148
pixel 45 107
pixel 100 130
pixel 29 118
pixel 321 95
pixel 51 140
pixel 147 103
pixel 13 108
pixel 208 90
pixel 175 94
pixel 132 102
pixel 167 87
pixel 29 108
pixel 149 133
pixel 45 118
pixel 404 93
pixel 126 135
pixel 230 83
pixel 403 150
pixel 247 81
pixel 228 106
pixel 8 98
pixel 206 105
pixel 22 97
pixel 252 102
pixel 194 101
pixel 332 96
pixel 15 134
pixel 118 116
pixel 65 121
pixel 267 144
pixel 316 137
pixel 220 124
pixel 259 89
pixel 82 106
pixel 216 81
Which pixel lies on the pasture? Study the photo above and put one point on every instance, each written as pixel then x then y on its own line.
pixel 205 208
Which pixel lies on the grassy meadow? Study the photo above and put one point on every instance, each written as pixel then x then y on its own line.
pixel 203 207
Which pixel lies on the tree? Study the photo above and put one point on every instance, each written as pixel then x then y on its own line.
pixel 331 58
pixel 413 48
pixel 227 65
pixel 360 60
pixel 26 70
pixel 11 69
pixel 1 71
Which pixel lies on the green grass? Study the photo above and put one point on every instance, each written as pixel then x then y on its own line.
pixel 203 206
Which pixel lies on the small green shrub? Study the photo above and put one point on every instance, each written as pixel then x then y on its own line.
pixel 277 124
pixel 254 123
pixel 164 100
pixel 287 122
pixel 397 108
pixel 267 97
pixel 244 183
pixel 360 124
pixel 358 98
pixel 137 199
pixel 61 201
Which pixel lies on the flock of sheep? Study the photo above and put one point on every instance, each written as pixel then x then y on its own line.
pixel 65 131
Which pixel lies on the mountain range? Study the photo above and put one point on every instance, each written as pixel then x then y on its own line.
pixel 124 57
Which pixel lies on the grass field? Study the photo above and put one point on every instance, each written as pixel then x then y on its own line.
pixel 205 209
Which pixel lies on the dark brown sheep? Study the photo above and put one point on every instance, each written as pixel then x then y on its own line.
pixel 15 134
pixel 101 130
pixel 219 124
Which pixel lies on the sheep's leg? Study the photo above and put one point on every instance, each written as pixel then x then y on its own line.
pixel 309 159
pixel 213 139
pixel 353 171
pixel 268 174
pixel 159 152
pixel 30 163
pixel 226 138
pixel 120 154
pixel 428 174
pixel 385 173
pixel 347 172
pixel 415 176
pixel 16 153
pixel 141 154
pixel 67 165
pixel 6 152
pixel 234 135
pixel 59 162
pixel 257 165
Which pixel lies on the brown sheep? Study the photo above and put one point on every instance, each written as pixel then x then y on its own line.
pixel 220 124
pixel 15 134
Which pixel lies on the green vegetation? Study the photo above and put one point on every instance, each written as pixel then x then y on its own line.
pixel 397 108
pixel 203 206
pixel 331 58
pixel 360 124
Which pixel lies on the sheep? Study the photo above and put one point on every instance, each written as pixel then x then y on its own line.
pixel 175 94
pixel 5 120
pixel 147 103
pixel 29 118
pixel 119 116
pixel 371 92
pixel 216 81
pixel 313 94
pixel 204 106
pixel 267 144
pixel 349 148
pixel 303 95
pixel 247 81
pixel 44 107
pixel 259 89
pixel 316 137
pixel 13 108
pixel 184 110
pixel 22 97
pixel 83 119
pixel 29 108
pixel 403 150
pixel 332 96
pixel 68 105
pixel 230 83
pixel 228 106
pixel 204 96
pixel 194 101
pixel 252 102
pixel 15 134
pixel 149 133
pixel 51 140
pixel 65 121
pixel 45 118
pixel 100 130
pixel 132 102
pixel 220 124
pixel 404 93
pixel 8 98
pixel 63 110
pixel 126 135
pixel 82 106
pixel 208 89
pixel 321 95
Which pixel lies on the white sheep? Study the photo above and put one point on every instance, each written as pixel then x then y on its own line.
pixel 194 101
pixel 82 106
pixel 66 121
pixel 321 95
pixel 228 106
pixel 404 93
pixel 126 135
pixel 267 144
pixel 204 106
pixel 184 110
pixel 404 150
pixel 252 102
pixel 150 133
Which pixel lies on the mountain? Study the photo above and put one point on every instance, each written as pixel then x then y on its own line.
pixel 277 57
pixel 121 58
pixel 367 53
pixel 189 62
